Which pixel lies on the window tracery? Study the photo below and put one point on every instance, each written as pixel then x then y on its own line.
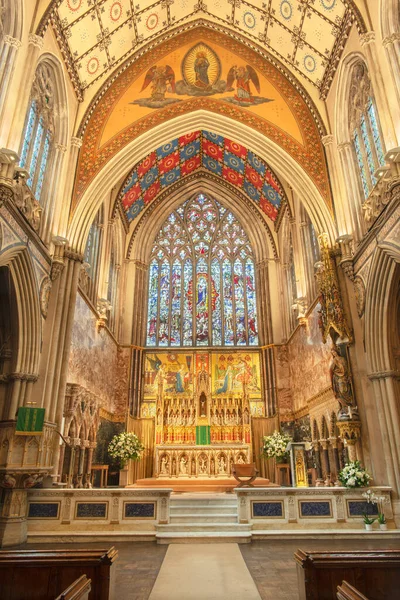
pixel 39 130
pixel 92 257
pixel 202 280
pixel 365 128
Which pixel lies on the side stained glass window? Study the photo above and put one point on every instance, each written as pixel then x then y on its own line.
pixel 365 129
pixel 202 280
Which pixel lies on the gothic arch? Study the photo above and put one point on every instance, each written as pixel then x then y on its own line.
pixel 280 161
pixel 22 271
pixel 143 234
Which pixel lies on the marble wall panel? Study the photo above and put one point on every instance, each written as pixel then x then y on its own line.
pixel 94 361
pixel 309 359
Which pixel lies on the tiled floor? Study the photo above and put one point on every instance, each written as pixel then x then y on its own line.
pixel 270 563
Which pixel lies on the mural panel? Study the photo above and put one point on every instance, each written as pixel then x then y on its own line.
pixel 173 369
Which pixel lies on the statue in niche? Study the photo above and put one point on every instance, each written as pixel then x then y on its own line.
pixel 212 467
pixel 174 466
pixel 164 466
pixel 341 384
pixel 222 465
pixel 183 466
pixel 203 405
pixel 203 465
pixel 240 460
pixel 193 467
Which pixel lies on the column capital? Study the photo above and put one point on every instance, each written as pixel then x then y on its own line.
pixel 12 41
pixel 35 40
pixel 344 146
pixel 76 142
pixel 367 38
pixel 60 147
pixel 384 375
pixel 327 140
pixel 391 39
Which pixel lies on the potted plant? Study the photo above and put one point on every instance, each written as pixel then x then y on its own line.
pixel 124 447
pixel 354 475
pixel 379 501
pixel 368 522
pixel 274 446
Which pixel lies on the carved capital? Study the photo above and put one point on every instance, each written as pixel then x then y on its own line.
pixel 60 147
pixel 391 39
pixel 367 38
pixel 12 41
pixel 327 140
pixel 35 40
pixel 57 267
pixel 76 142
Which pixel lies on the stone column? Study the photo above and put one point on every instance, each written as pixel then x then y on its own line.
pixel 353 191
pixel 392 47
pixel 325 458
pixel 368 44
pixel 344 218
pixel 10 49
pixel 317 458
pixel 63 208
pixel 47 226
pixel 138 335
pixel 35 44
pixel 334 445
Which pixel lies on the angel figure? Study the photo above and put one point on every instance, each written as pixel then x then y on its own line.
pixel 162 80
pixel 243 76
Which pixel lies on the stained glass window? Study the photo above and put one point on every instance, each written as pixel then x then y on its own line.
pixel 202 280
pixel 364 125
pixel 38 132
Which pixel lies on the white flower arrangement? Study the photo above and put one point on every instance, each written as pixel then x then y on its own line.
pixel 354 475
pixel 379 501
pixel 125 446
pixel 274 446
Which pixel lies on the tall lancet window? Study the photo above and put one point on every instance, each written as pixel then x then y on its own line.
pixel 202 280
pixel 365 128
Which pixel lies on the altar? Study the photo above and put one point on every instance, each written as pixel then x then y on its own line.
pixel 203 461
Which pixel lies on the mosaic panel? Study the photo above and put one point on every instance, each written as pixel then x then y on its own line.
pixel 261 510
pixel 43 510
pixel 315 508
pixel 140 510
pixel 91 510
pixel 357 508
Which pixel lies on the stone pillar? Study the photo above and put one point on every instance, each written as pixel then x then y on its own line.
pixel 334 445
pixel 367 41
pixel 325 458
pixel 47 226
pixel 343 216
pixel 10 49
pixel 353 191
pixel 317 458
pixel 63 208
pixel 35 44
pixel 392 47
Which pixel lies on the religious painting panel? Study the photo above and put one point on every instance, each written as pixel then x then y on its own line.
pixel 173 370
pixel 231 372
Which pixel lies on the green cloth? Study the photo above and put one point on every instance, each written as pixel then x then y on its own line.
pixel 29 421
pixel 203 436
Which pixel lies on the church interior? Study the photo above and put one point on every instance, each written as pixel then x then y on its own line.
pixel 200 251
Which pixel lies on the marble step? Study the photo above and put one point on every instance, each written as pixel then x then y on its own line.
pixel 200 526
pixel 204 518
pixel 204 537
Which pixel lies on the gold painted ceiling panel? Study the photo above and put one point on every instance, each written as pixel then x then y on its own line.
pixel 97 35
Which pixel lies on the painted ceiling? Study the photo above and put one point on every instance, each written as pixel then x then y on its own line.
pixel 97 35
pixel 201 150
pixel 159 87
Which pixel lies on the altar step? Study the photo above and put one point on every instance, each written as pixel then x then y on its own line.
pixel 197 484
pixel 203 518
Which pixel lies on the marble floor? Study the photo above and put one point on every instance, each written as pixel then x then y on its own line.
pixel 270 565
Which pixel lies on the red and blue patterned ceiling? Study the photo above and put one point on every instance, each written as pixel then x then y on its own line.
pixel 201 150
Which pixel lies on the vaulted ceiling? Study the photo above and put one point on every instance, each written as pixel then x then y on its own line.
pixel 306 35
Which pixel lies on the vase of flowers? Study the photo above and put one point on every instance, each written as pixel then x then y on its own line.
pixel 125 446
pixel 274 446
pixel 368 522
pixel 354 475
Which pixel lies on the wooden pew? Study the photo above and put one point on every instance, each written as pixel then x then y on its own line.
pixel 348 592
pixel 372 572
pixel 79 590
pixel 45 574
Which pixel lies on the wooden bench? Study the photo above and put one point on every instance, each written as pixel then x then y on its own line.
pixel 247 470
pixel 348 592
pixel 79 590
pixel 372 572
pixel 45 574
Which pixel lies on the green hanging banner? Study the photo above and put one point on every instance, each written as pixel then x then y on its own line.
pixel 203 436
pixel 29 421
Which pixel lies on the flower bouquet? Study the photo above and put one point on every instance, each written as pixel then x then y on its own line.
pixel 274 446
pixel 125 446
pixel 354 475
pixel 379 501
